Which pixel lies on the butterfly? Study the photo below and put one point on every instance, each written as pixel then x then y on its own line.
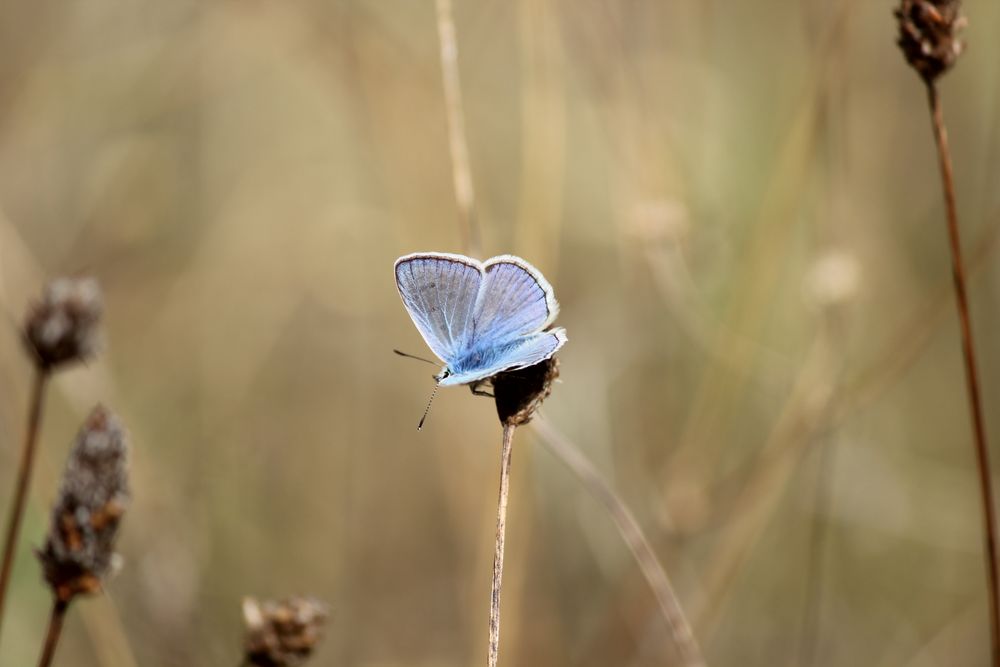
pixel 479 318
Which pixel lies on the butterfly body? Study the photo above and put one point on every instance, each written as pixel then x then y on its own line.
pixel 479 318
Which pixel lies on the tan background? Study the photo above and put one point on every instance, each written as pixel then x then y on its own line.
pixel 241 175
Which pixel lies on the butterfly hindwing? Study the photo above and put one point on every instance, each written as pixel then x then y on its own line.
pixel 521 352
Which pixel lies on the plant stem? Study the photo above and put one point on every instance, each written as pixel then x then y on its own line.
pixel 815 566
pixel 628 527
pixel 55 629
pixel 971 373
pixel 508 438
pixel 23 480
pixel 461 173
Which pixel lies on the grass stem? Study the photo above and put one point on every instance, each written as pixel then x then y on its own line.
pixel 455 115
pixel 23 481
pixel 54 631
pixel 971 372
pixel 680 629
pixel 817 553
pixel 505 452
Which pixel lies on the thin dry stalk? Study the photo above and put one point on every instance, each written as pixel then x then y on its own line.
pixel 454 110
pixel 816 564
pixel 929 38
pixel 900 350
pixel 717 391
pixel 505 452
pixel 805 413
pixel 816 560
pixel 23 481
pixel 971 371
pixel 680 629
pixel 55 630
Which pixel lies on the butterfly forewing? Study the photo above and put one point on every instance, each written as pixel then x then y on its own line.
pixel 439 292
pixel 515 300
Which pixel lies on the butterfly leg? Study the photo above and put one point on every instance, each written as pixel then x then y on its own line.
pixel 477 388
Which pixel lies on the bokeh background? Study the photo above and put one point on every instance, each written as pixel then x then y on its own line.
pixel 738 205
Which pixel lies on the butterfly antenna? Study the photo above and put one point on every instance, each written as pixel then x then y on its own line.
pixel 428 408
pixel 413 356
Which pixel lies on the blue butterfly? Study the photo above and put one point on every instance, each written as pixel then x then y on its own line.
pixel 479 318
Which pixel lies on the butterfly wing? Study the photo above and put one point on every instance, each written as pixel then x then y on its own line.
pixel 521 352
pixel 515 300
pixel 515 303
pixel 439 291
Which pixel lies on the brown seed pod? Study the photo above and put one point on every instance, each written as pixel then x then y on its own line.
pixel 928 35
pixel 63 326
pixel 282 633
pixel 519 393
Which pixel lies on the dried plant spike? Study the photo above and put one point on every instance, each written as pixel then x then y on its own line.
pixel 519 393
pixel 282 633
pixel 928 35
pixel 63 326
pixel 79 549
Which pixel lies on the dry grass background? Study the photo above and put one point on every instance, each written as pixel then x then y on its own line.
pixel 240 177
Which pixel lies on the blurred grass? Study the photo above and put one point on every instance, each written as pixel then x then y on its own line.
pixel 240 176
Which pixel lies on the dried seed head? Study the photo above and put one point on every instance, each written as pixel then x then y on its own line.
pixel 928 35
pixel 282 633
pixel 833 280
pixel 63 326
pixel 519 393
pixel 79 550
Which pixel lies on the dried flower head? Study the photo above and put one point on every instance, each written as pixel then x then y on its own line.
pixel 519 393
pixel 63 326
pixel 282 633
pixel 928 35
pixel 79 550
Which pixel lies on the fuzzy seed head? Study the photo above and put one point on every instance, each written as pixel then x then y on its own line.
pixel 79 550
pixel 928 35
pixel 282 633
pixel 833 280
pixel 520 393
pixel 63 327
